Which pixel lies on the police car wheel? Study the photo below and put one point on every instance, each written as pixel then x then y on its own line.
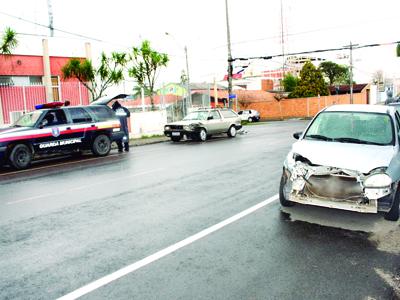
pixel 101 145
pixel 20 156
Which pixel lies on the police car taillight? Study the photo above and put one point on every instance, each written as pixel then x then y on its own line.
pixel 49 105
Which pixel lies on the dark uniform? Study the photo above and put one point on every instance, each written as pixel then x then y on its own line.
pixel 123 114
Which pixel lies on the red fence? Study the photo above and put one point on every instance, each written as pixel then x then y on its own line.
pixel 75 92
pixel 24 98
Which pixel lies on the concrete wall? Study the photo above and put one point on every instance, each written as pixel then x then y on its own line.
pixel 30 65
pixel 147 123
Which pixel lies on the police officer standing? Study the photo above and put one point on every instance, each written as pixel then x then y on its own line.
pixel 122 113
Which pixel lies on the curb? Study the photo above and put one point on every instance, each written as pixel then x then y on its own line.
pixel 149 141
pixel 143 142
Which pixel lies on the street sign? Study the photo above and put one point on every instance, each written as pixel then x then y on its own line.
pixel 232 96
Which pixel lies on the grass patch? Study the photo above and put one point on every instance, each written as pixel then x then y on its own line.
pixel 253 123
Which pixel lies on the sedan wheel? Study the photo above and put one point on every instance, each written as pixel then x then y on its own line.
pixel 250 120
pixel 203 135
pixel 232 131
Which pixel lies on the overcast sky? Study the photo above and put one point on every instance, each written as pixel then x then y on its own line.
pixel 201 25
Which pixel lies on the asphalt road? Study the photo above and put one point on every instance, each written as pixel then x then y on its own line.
pixel 67 223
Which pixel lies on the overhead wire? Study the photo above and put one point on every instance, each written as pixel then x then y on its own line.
pixel 305 32
pixel 267 57
pixel 60 30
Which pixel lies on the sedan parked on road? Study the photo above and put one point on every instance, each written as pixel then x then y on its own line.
pixel 201 124
pixel 249 115
pixel 347 158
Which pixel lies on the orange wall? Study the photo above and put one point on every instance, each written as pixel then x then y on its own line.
pixel 270 108
pixel 30 65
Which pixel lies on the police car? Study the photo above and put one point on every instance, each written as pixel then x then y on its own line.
pixel 54 128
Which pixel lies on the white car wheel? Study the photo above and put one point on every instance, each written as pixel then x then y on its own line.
pixel 250 119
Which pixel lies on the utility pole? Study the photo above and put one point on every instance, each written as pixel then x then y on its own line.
pixel 189 97
pixel 351 70
pixel 230 67
pixel 351 73
pixel 188 79
pixel 282 42
pixel 50 12
pixel 47 71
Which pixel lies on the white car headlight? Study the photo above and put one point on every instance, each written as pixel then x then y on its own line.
pixel 167 128
pixel 380 180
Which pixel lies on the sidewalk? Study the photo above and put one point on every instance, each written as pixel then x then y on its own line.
pixel 148 141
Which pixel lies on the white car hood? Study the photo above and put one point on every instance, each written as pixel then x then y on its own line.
pixel 356 157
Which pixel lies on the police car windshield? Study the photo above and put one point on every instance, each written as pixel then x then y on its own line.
pixel 28 120
pixel 196 115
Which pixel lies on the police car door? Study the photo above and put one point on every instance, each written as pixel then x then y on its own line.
pixel 53 131
pixel 82 125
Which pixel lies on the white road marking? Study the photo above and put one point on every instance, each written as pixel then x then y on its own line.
pixel 160 254
pixel 83 187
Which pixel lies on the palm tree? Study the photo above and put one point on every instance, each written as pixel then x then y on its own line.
pixel 8 41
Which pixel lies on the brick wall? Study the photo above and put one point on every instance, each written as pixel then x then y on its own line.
pixel 272 109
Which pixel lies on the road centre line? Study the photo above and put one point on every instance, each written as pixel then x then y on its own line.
pixel 164 252
pixel 82 187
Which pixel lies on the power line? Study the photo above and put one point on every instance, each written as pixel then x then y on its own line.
pixel 316 51
pixel 306 32
pixel 56 29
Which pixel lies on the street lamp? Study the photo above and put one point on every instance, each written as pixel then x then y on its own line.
pixel 187 69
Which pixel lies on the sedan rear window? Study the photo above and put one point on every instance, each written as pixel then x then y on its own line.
pixel 352 127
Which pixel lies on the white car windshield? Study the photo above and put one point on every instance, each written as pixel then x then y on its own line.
pixel 352 127
pixel 28 120
pixel 196 115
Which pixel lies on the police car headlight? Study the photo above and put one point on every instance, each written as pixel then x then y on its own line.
pixel 380 180
pixel 167 128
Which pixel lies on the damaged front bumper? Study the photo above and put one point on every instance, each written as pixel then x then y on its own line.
pixel 334 188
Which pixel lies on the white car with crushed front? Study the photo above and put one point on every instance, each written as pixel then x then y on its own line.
pixel 347 158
